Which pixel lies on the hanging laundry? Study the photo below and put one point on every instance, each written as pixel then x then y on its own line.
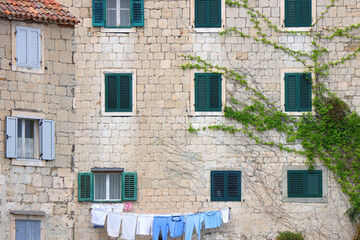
pixel 212 219
pixel 117 208
pixel 144 225
pixel 98 215
pixel 128 226
pixel 194 220
pixel 160 224
pixel 225 215
pixel 113 224
pixel 176 226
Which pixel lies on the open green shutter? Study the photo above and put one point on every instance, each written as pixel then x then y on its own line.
pixel 290 92
pixel 85 187
pixel 314 183
pixel 129 186
pixel 138 13
pixel 125 92
pixel 296 183
pixel 305 92
pixel 200 92
pixel 214 92
pixel 98 13
pixel 217 186
pixel 111 93
pixel 214 16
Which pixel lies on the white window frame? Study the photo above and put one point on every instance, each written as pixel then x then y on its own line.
pixel 207 30
pixel 298 29
pixel 14 64
pixel 107 185
pixel 36 139
pixel 102 93
pixel 118 11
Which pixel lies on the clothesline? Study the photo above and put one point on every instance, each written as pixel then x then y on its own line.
pixel 153 224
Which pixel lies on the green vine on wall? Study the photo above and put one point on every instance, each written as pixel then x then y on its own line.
pixel 330 134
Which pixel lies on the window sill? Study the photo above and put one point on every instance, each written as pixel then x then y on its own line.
pixel 118 114
pixel 200 114
pixel 305 200
pixel 118 30
pixel 298 113
pixel 208 30
pixel 28 162
pixel 27 69
pixel 296 29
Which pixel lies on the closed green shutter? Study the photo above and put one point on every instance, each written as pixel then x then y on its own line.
pixel 297 13
pixel 98 13
pixel 207 13
pixel 118 92
pixel 214 92
pixel 138 13
pixel 129 186
pixel 85 187
pixel 303 183
pixel 297 92
pixel 225 185
pixel 200 92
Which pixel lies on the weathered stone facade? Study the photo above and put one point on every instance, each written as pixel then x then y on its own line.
pixel 39 186
pixel 173 165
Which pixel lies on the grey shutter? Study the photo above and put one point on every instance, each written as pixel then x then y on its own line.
pixel 34 44
pixel 21 46
pixel 47 145
pixel 11 137
pixel 28 230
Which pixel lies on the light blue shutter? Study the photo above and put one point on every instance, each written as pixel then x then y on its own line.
pixel 21 46
pixel 28 230
pixel 47 131
pixel 34 44
pixel 11 137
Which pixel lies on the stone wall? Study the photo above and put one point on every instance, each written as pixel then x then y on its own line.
pixel 46 186
pixel 174 165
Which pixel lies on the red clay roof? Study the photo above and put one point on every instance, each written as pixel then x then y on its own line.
pixel 36 10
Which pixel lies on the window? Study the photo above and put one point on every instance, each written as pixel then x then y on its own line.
pixel 29 138
pixel 118 92
pixel 298 13
pixel 208 13
pixel 28 45
pixel 208 92
pixel 118 13
pixel 297 92
pixel 107 185
pixel 304 184
pixel 28 229
pixel 225 185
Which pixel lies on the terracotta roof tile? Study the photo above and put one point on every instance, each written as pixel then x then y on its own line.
pixel 36 10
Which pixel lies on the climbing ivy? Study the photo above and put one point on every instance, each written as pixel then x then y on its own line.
pixel 330 134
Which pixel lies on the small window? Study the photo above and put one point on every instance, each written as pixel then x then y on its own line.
pixel 28 229
pixel 118 92
pixel 28 45
pixel 208 92
pixel 208 13
pixel 298 13
pixel 107 186
pixel 225 185
pixel 297 92
pixel 304 184
pixel 118 13
pixel 29 139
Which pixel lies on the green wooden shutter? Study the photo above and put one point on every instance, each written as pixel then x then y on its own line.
pixel 214 16
pixel 200 92
pixel 297 13
pixel 112 88
pixel 85 187
pixel 217 186
pixel 214 92
pixel 129 186
pixel 314 183
pixel 290 92
pixel 200 13
pixel 296 183
pixel 305 92
pixel 138 13
pixel 125 96
pixel 98 13
pixel 233 186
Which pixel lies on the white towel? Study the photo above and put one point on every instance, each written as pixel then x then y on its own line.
pixel 225 215
pixel 113 224
pixel 117 208
pixel 144 225
pixel 98 216
pixel 128 227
